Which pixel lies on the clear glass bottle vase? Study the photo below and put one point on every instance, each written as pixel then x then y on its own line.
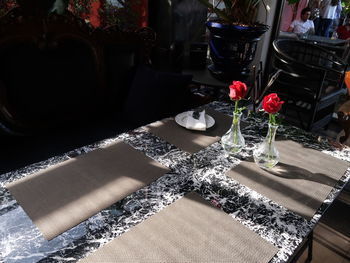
pixel 233 140
pixel 267 155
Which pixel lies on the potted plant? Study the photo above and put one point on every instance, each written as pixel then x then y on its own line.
pixel 234 35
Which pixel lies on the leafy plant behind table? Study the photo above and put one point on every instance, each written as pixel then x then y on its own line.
pixel 237 12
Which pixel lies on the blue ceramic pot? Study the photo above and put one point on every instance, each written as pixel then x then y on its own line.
pixel 232 49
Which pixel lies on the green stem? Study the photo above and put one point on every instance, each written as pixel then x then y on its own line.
pixel 236 106
pixel 270 142
pixel 272 121
pixel 235 122
pixel 235 128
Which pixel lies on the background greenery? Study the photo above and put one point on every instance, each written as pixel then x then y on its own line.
pixel 119 12
pixel 346 6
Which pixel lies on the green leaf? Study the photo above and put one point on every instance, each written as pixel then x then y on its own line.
pixel 221 14
pixel 237 11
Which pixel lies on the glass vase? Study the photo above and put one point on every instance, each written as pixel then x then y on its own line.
pixel 233 140
pixel 267 155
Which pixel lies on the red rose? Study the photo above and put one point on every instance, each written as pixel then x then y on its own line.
pixel 272 103
pixel 238 90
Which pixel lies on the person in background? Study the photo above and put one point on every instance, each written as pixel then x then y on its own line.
pixel 304 25
pixel 314 5
pixel 328 13
pixel 344 30
pixel 335 22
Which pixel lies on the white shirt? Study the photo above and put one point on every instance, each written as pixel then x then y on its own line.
pixel 327 10
pixel 301 27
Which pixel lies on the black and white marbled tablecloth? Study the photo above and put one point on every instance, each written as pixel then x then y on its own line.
pixel 204 172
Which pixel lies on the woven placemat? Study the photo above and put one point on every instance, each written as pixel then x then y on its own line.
pixel 189 140
pixel 301 181
pixel 62 196
pixel 189 230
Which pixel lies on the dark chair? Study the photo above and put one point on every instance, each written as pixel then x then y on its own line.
pixel 344 113
pixel 309 80
pixel 255 87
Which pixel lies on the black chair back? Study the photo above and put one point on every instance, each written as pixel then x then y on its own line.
pixel 310 82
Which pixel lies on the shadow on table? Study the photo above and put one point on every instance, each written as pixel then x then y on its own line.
pixel 293 172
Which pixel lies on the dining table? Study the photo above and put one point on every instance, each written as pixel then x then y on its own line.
pixel 231 183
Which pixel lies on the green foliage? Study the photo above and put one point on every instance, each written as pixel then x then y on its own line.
pixel 122 15
pixel 6 5
pixel 241 12
pixel 82 7
pixel 346 7
pixel 275 119
pixel 292 2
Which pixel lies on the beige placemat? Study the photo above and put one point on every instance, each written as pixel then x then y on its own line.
pixel 189 230
pixel 189 140
pixel 62 196
pixel 300 182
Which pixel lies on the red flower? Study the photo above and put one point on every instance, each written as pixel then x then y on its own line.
pixel 272 103
pixel 238 90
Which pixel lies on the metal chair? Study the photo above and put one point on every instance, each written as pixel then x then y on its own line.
pixel 309 79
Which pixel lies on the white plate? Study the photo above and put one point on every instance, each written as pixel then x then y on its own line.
pixel 181 119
